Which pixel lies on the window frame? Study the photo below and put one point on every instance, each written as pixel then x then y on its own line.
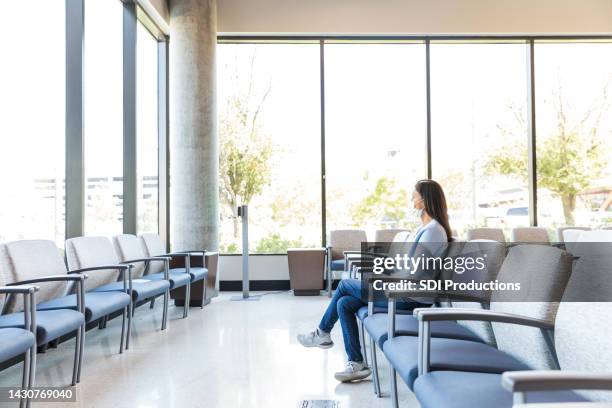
pixel 528 40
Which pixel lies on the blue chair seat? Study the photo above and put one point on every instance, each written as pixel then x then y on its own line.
pixel 362 313
pixel 14 342
pixel 97 304
pixel 448 389
pixel 197 272
pixel 407 325
pixel 337 265
pixel 51 324
pixel 448 355
pixel 141 288
pixel 177 279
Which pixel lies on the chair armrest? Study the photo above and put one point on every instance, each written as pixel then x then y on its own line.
pixel 78 278
pixel 524 381
pixel 101 268
pixel 153 258
pixel 425 316
pixel 21 289
pixel 434 295
pixel 363 253
pixel 195 252
pixel 51 278
pixel 441 314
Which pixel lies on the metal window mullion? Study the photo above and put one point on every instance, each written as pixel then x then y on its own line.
pixel 129 119
pixel 75 169
pixel 163 153
pixel 322 118
pixel 531 134
pixel 428 102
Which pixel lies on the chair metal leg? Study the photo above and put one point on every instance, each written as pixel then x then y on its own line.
pixel 187 300
pixel 81 348
pixel 376 379
pixel 75 368
pixel 25 378
pixel 165 313
pixel 129 327
pixel 362 341
pixel 204 298
pixel 123 318
pixel 32 370
pixel 393 379
pixel 152 303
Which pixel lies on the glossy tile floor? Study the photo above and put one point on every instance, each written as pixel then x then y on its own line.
pixel 231 354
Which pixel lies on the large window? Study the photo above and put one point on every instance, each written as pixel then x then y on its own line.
pixel 103 117
pixel 32 129
pixel 375 122
pixel 574 133
pixel 479 132
pixel 270 157
pixel 147 131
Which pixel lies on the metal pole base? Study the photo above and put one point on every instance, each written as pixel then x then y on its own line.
pixel 239 298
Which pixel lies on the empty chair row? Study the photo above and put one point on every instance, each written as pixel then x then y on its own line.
pixel 99 279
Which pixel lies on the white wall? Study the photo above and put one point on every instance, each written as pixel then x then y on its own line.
pixel 415 16
pixel 273 267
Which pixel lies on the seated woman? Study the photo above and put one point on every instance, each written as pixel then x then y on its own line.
pixel 430 204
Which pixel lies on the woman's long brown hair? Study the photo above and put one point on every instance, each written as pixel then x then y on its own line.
pixel 435 203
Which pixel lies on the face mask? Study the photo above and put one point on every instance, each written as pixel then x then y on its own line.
pixel 418 212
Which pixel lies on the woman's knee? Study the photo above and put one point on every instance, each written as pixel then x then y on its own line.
pixel 347 304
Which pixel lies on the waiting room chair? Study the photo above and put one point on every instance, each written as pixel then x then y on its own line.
pixel 40 262
pixel 377 324
pixel 545 270
pixel 493 234
pixel 561 232
pixel 131 250
pixel 16 341
pixel 154 247
pixel 341 241
pixel 581 360
pixel 384 237
pixel 535 235
pixel 92 252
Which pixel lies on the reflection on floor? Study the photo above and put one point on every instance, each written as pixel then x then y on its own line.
pixel 231 354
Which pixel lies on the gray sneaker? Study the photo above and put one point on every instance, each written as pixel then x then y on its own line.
pixel 354 371
pixel 316 338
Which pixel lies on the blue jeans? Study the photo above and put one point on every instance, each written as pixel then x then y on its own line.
pixel 344 305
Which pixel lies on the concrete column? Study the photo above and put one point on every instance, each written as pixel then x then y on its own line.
pixel 194 151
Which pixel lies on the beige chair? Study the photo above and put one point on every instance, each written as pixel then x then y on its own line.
pixel 561 232
pixel 344 240
pixel 384 237
pixel 530 234
pixel 492 234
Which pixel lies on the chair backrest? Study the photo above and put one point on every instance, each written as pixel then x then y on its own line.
pixel 494 253
pixel 543 272
pixel 561 232
pixel 346 240
pixel 385 237
pixel 493 234
pixel 596 236
pixel 400 244
pixel 128 247
pixel 530 234
pixel 89 252
pixel 153 246
pixel 583 332
pixel 29 259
